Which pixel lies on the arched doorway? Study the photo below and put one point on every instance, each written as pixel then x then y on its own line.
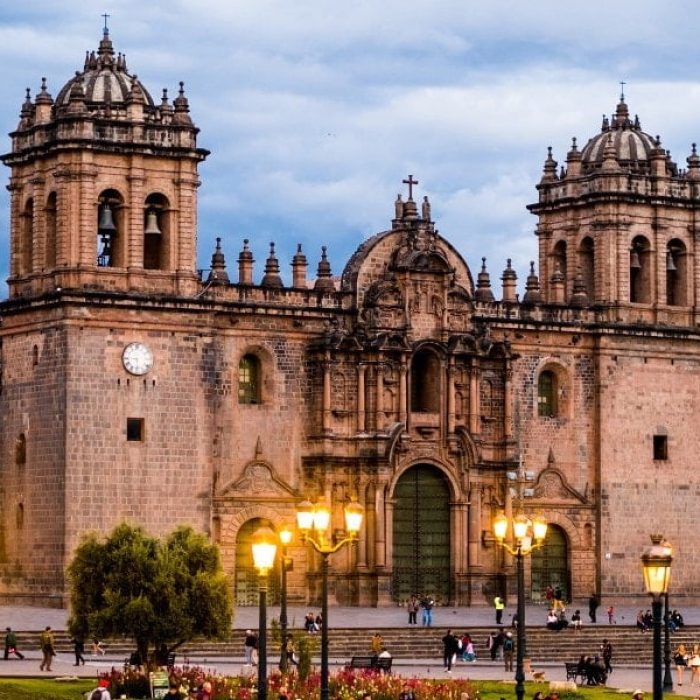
pixel 421 552
pixel 246 586
pixel 550 564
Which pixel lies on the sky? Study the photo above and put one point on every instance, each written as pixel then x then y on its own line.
pixel 316 110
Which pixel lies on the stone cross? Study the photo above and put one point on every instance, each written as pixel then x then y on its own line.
pixel 410 182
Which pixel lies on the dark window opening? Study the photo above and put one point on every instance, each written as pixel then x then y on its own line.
pixel 660 447
pixel 134 429
pixel 425 383
pixel 249 380
pixel 547 394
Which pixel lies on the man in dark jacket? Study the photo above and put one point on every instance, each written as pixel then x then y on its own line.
pixel 450 645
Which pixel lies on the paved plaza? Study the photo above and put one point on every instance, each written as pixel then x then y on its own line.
pixel 627 676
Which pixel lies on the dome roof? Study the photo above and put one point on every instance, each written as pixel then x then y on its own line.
pixel 104 80
pixel 633 147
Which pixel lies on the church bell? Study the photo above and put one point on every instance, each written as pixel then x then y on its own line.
pixel 106 225
pixel 634 260
pixel 152 224
pixel 670 263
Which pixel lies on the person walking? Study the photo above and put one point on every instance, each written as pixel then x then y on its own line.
pixel 593 605
pixel 695 665
pixel 508 647
pixel 78 650
pixel 413 607
pixel 499 605
pixel 47 643
pixel 249 646
pixel 427 603
pixel 558 599
pixel 450 648
pixel 680 658
pixel 11 644
pixel 607 651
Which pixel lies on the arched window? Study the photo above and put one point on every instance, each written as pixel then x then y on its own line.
pixel 676 273
pixel 586 255
pixel 249 379
pixel 156 232
pixel 425 382
pixel 640 271
pixel 547 394
pixel 51 229
pixel 26 251
pixel 110 238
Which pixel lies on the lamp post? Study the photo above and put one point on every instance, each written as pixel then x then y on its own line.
pixel 264 550
pixel 668 678
pixel 527 536
pixel 656 565
pixel 317 518
pixel 285 536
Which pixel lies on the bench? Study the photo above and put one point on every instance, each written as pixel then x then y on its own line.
pixel 373 663
pixel 572 672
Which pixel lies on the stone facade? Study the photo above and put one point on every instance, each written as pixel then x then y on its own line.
pixel 134 389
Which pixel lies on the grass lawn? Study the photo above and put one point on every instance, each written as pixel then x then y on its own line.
pixel 494 690
pixel 43 689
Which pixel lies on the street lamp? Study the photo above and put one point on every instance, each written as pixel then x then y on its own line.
pixel 656 565
pixel 264 550
pixel 285 536
pixel 317 518
pixel 527 536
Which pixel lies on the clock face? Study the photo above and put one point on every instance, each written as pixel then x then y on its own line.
pixel 137 358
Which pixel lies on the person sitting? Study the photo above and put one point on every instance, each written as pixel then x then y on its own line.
pixel 598 671
pixel 641 624
pixel 677 619
pixel 552 620
pixel 576 620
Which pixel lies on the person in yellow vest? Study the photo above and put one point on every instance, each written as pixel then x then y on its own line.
pixel 46 641
pixel 499 605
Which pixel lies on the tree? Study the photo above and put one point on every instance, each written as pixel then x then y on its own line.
pixel 156 592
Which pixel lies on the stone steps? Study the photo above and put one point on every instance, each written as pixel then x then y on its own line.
pixel 630 645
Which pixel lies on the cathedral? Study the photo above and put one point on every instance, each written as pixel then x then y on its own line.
pixel 134 387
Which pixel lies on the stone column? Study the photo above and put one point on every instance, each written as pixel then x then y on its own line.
pixel 133 254
pixel 380 528
pixel 361 417
pixel 326 403
pixel 403 388
pixel 474 528
pixel 362 535
pixel 474 423
pixel 380 397
pixel 451 395
pixel 39 224
pixel 508 400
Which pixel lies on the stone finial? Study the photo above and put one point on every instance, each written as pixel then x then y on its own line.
pixel 245 264
pixel 425 209
pixel 549 173
pixel 532 287
pixel 693 161
pixel 606 124
pixel 299 268
pixel 182 108
pixel 610 163
pixel 573 160
pixel 105 50
pixel 272 278
pixel 483 291
pixel 509 279
pixel 218 275
pixel 324 278
pixel 398 207
pixel 43 97
pixel 579 297
pixel 557 284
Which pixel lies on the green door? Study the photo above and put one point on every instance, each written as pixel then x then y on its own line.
pixel 246 578
pixel 421 557
pixel 550 565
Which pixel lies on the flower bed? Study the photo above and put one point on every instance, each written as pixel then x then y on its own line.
pixel 344 685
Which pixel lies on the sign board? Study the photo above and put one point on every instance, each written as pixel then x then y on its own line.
pixel 159 684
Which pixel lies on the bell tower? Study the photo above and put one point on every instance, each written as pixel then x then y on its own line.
pixel 104 186
pixel 618 226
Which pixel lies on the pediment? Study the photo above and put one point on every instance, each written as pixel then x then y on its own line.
pixel 258 481
pixel 551 485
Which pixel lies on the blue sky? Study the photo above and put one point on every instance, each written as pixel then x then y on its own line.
pixel 315 110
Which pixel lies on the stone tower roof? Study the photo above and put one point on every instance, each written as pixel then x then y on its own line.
pixel 104 80
pixel 632 146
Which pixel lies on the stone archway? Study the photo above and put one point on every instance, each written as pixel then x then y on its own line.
pixel 550 564
pixel 246 584
pixel 421 534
